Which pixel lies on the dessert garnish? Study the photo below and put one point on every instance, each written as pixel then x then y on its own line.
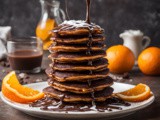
pixel 139 93
pixel 13 90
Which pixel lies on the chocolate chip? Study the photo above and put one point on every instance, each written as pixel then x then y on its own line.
pixel 27 77
pixel 126 76
pixel 5 63
pixel 23 78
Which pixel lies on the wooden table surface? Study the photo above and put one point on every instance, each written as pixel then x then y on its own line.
pixel 152 112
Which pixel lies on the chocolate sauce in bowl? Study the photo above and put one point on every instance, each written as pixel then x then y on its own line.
pixel 25 59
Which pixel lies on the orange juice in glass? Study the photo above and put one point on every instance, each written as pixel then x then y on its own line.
pixel 49 19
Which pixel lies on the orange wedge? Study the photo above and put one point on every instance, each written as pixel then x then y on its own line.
pixel 46 45
pixel 139 93
pixel 13 90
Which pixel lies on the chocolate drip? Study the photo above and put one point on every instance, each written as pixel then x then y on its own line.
pixel 88 11
pixel 89 83
pixel 66 9
pixel 61 105
pixel 93 99
pixel 51 104
pixel 90 63
pixel 89 44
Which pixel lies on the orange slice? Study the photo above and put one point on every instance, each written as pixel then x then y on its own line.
pixel 13 90
pixel 139 93
pixel 46 45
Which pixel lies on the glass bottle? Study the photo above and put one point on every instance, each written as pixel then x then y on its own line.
pixel 51 16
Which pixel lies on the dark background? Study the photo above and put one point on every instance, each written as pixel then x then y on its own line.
pixel 114 16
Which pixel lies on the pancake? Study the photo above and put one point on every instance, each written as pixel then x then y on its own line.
pixel 76 57
pixel 75 48
pixel 81 87
pixel 76 76
pixel 78 40
pixel 73 97
pixel 78 72
pixel 74 28
pixel 95 65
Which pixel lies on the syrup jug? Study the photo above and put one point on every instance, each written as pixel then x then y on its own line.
pixel 135 41
pixel 51 16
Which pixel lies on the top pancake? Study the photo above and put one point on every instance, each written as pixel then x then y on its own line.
pixel 74 28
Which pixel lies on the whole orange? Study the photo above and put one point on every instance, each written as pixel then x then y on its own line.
pixel 121 59
pixel 149 61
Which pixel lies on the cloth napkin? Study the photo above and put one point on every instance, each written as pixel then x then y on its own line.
pixel 5 34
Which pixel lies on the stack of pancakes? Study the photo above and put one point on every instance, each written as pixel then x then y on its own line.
pixel 78 71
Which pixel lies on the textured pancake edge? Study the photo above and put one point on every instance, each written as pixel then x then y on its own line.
pixel 77 41
pixel 73 49
pixel 86 58
pixel 79 78
pixel 78 90
pixel 93 68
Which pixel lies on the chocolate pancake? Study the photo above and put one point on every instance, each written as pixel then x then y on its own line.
pixel 81 87
pixel 78 40
pixel 75 48
pixel 76 76
pixel 94 66
pixel 73 28
pixel 76 57
pixel 73 97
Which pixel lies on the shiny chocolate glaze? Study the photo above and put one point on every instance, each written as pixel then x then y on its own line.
pixel 50 104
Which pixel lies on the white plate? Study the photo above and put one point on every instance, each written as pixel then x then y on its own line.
pixel 118 87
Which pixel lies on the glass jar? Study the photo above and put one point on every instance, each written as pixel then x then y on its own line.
pixel 51 16
pixel 25 54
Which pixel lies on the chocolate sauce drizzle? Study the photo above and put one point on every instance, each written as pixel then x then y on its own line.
pixel 66 9
pixel 89 45
pixel 88 11
pixel 50 104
